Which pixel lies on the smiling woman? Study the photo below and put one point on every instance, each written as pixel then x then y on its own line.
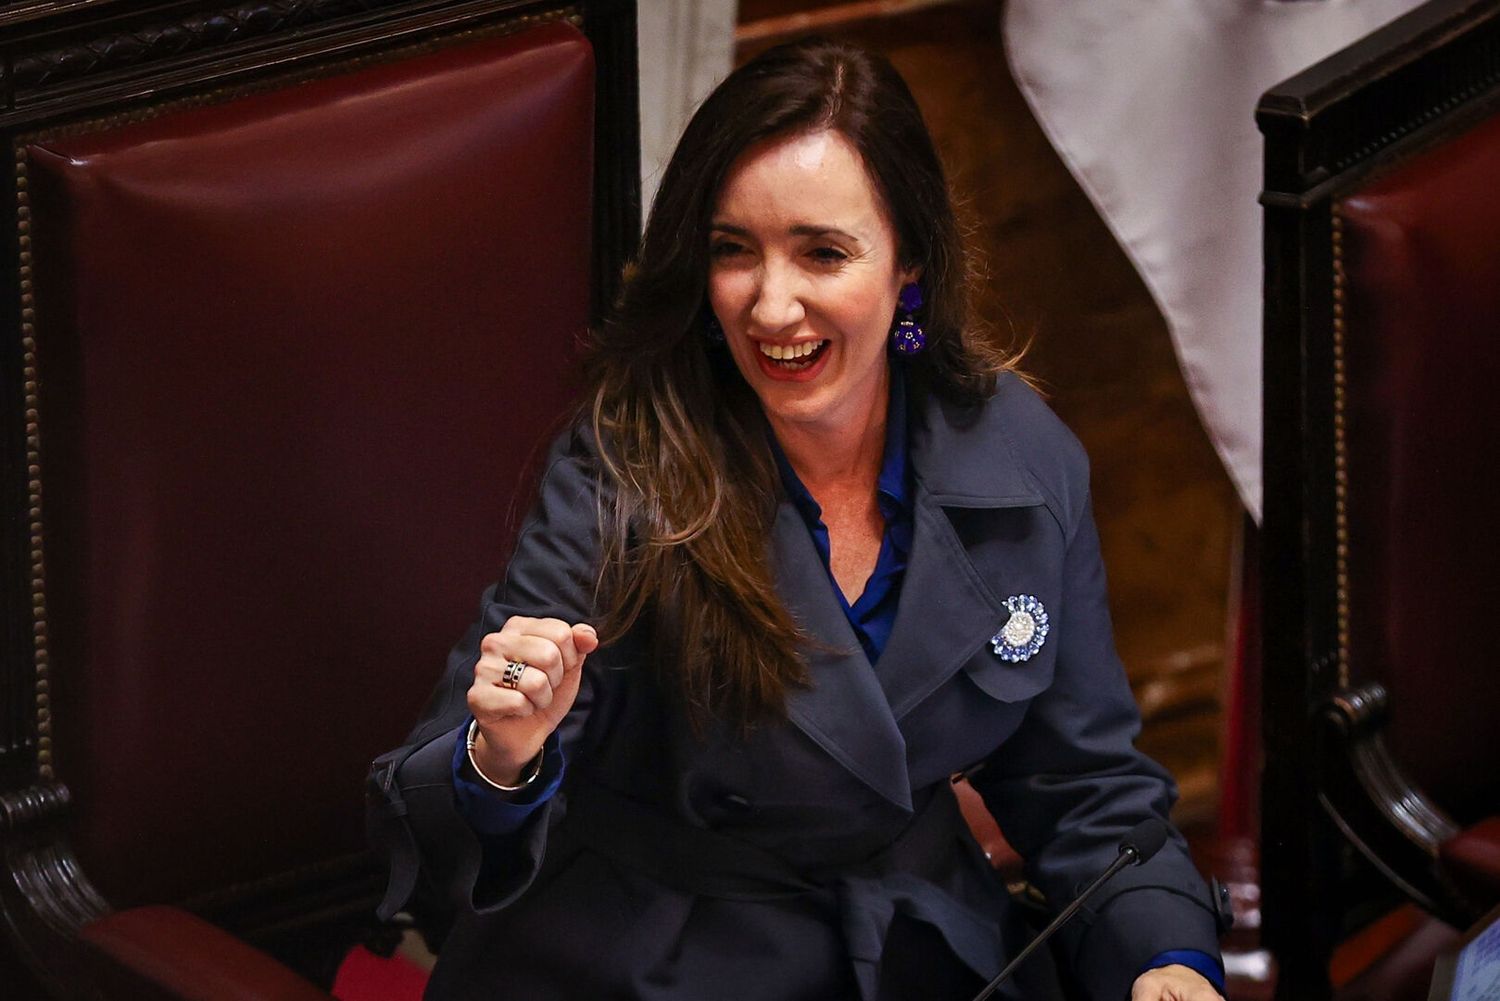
pixel 804 193
pixel 809 551
pixel 804 282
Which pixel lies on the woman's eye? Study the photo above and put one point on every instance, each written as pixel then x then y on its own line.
pixel 829 255
pixel 725 249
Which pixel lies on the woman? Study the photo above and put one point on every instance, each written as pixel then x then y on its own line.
pixel 810 551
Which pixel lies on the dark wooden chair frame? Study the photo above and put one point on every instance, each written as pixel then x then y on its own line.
pixel 1336 803
pixel 67 64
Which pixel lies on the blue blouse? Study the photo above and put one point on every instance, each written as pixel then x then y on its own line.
pixel 873 613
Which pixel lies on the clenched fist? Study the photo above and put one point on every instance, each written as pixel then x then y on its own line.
pixel 514 722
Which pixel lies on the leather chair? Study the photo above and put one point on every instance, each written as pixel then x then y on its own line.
pixel 294 297
pixel 1382 773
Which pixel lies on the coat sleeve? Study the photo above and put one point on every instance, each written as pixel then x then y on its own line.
pixel 1069 784
pixel 412 814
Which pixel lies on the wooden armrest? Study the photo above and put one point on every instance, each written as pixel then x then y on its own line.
pixel 1377 807
pixel 161 953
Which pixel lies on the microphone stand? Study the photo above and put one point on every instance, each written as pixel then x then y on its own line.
pixel 1129 855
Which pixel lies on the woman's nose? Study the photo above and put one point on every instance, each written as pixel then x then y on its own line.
pixel 778 300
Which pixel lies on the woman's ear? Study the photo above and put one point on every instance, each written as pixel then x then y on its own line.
pixel 910 275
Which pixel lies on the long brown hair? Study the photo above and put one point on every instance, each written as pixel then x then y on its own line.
pixel 686 460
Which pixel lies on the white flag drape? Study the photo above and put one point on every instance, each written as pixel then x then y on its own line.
pixel 685 47
pixel 1151 105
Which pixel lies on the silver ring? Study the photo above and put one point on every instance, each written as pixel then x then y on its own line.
pixel 512 676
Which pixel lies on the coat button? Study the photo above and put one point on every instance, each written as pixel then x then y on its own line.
pixel 733 802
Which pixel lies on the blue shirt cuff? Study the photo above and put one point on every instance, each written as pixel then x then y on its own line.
pixel 1199 962
pixel 491 812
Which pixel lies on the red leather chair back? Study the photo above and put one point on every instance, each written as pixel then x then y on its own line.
pixel 1382 296
pixel 297 350
pixel 1422 430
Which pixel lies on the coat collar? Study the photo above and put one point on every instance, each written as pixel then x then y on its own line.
pixel 963 457
pixel 947 609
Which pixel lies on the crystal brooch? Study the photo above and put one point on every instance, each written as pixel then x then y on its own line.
pixel 1024 632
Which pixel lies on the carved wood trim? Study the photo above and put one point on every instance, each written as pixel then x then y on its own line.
pixel 1344 112
pixel 168 38
pixel 25 11
pixel 1378 809
pixel 1358 717
pixel 46 899
pixel 149 56
pixel 24 809
pixel 50 878
pixel 286 78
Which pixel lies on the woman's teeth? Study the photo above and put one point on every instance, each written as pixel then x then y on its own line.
pixel 792 355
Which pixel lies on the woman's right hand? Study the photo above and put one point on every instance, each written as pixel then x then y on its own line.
pixel 514 722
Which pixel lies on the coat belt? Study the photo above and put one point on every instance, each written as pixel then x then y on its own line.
pixel 865 896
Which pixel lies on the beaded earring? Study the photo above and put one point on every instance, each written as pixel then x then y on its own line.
pixel 907 335
pixel 713 330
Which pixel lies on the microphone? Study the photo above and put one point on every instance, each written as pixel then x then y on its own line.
pixel 1141 842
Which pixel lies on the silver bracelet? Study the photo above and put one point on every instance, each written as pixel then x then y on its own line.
pixel 535 768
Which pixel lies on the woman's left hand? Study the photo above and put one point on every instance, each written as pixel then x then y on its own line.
pixel 1173 983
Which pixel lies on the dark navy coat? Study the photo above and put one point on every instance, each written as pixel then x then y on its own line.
pixel 1001 510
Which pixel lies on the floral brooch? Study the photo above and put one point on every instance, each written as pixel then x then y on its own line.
pixel 1024 632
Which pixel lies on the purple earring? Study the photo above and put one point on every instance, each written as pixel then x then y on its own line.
pixel 907 336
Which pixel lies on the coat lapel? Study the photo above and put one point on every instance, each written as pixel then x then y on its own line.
pixel 844 711
pixel 951 603
pixel 950 606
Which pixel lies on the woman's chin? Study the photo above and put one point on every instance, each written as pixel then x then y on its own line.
pixel 804 408
pixel 828 401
